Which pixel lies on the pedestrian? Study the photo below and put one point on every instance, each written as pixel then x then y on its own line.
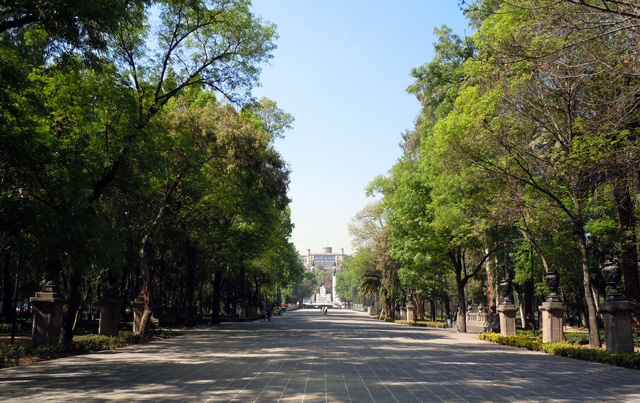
pixel 262 314
pixel 269 314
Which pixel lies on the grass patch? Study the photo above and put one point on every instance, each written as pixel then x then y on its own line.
pixel 17 354
pixel 566 349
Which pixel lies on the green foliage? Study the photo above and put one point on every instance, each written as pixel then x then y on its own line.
pixel 577 338
pixel 441 325
pixel 116 131
pixel 11 354
pixel 273 119
pixel 566 349
pixel 520 341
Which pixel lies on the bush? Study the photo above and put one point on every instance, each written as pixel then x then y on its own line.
pixel 566 349
pixel 577 338
pixel 441 325
pixel 521 341
pixel 12 354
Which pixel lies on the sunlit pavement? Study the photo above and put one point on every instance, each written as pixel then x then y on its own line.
pixel 303 356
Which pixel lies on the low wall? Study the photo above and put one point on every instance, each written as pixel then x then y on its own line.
pixel 482 322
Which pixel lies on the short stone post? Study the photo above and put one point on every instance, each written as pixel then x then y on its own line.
pixel 109 306
pixel 138 311
pixel 616 313
pixel 552 311
pixel 507 310
pixel 47 315
pixel 507 314
pixel 618 332
pixel 410 314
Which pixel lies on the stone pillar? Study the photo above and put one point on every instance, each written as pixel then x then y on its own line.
pixel 138 311
pixel 618 332
pixel 47 315
pixel 507 314
pixel 552 321
pixel 109 306
pixel 616 312
pixel 410 314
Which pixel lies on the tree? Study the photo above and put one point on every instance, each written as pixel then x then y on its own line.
pixel 274 119
pixel 538 130
pixel 82 129
pixel 305 287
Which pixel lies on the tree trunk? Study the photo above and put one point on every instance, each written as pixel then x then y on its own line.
pixel 81 308
pixel 190 286
pixel 462 305
pixel 389 307
pixel 447 306
pixel 8 309
pixel 529 295
pixel 594 332
pixel 628 241
pixel 145 278
pixel 432 305
pixel 491 296
pixel 70 309
pixel 217 295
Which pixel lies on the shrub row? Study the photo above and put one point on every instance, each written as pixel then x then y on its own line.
pixel 628 360
pixel 422 323
pixel 5 328
pixel 11 354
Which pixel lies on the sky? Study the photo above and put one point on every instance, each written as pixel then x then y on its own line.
pixel 341 69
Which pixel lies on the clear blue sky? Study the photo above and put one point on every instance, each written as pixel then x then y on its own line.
pixel 341 69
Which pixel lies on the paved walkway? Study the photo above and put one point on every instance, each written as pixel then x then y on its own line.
pixel 303 356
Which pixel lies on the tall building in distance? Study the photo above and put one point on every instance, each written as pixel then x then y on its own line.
pixel 325 261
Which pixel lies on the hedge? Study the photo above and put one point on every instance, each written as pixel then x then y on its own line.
pixel 11 354
pixel 422 323
pixel 627 360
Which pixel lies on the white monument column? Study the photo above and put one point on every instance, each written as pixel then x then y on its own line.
pixel 333 288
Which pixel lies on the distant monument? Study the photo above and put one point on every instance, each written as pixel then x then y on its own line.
pixel 323 298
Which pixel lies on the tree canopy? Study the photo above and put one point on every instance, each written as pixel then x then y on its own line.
pixel 130 161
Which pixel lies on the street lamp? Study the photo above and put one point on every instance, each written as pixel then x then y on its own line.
pixel 505 287
pixel 24 194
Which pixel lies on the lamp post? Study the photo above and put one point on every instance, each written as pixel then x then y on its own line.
pixel 505 287
pixel 24 194
pixel 333 286
pixel 506 309
pixel 15 306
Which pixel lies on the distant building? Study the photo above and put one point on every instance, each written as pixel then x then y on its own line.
pixel 327 260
